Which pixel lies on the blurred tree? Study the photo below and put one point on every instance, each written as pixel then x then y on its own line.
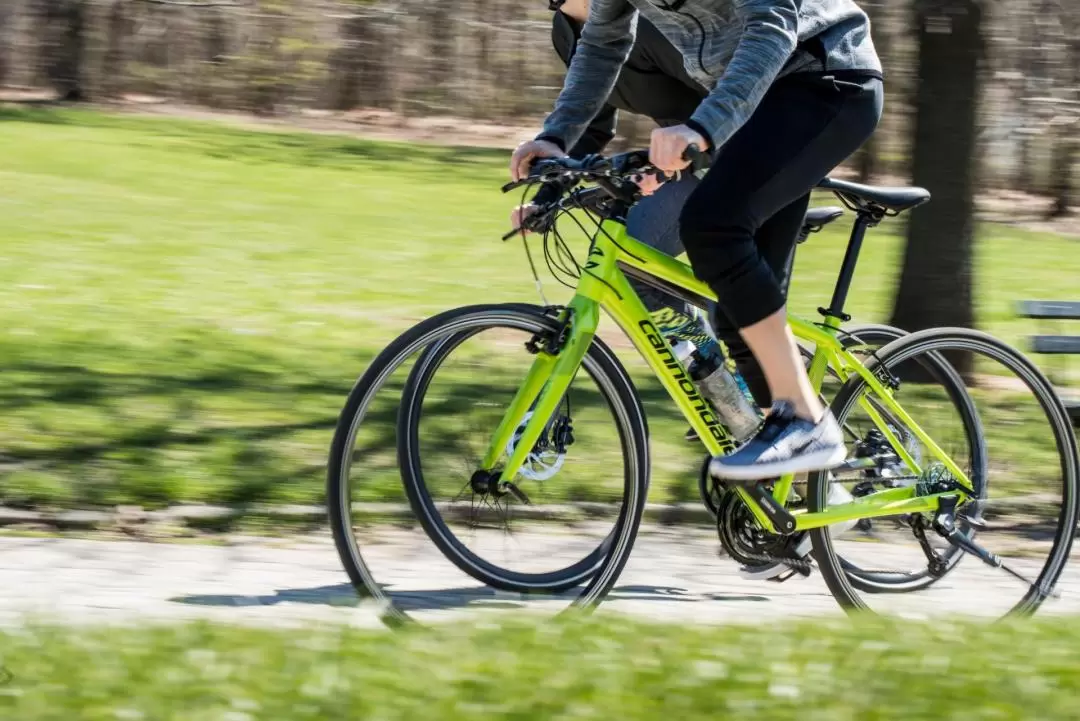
pixel 358 66
pixel 1067 128
pixel 7 19
pixel 347 61
pixel 1023 18
pixel 936 281
pixel 440 30
pixel 117 34
pixel 63 46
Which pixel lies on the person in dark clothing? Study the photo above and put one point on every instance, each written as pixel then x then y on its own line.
pixel 794 88
pixel 653 82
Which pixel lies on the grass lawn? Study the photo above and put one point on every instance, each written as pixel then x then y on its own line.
pixel 573 669
pixel 187 304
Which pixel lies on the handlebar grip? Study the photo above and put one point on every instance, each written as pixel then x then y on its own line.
pixel 699 159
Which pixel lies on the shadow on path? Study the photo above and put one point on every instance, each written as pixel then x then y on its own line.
pixel 344 595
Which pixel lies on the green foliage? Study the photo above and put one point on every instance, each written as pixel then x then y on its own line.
pixel 186 305
pixel 575 668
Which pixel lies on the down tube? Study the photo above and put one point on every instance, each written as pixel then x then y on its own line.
pixel 626 308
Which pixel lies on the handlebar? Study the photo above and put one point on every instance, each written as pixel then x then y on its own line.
pixel 594 167
pixel 612 175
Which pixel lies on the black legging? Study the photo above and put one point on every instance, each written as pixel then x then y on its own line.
pixel 740 225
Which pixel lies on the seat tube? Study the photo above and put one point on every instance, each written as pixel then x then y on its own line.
pixel 863 220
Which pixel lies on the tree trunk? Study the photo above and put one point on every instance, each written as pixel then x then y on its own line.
pixel 1066 144
pixel 868 160
pixel 480 95
pixel 117 33
pixel 936 280
pixel 7 19
pixel 1023 177
pixel 347 62
pixel 63 46
pixel 440 32
pixel 215 39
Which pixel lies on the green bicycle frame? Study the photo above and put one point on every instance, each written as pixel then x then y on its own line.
pixel 604 285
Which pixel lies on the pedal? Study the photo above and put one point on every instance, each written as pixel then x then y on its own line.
pixel 800 573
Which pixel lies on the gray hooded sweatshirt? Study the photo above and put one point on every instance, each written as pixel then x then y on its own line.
pixel 738 48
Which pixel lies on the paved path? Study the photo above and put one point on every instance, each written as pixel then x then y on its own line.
pixel 673 575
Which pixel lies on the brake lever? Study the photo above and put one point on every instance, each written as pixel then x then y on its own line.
pixel 535 223
pixel 515 184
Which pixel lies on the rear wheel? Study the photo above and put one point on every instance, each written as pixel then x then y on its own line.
pixel 1023 467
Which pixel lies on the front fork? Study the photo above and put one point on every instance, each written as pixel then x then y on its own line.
pixel 545 385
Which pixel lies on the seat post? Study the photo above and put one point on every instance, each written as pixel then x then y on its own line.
pixel 864 218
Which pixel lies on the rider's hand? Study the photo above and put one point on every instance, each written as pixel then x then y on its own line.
pixel 520 213
pixel 647 183
pixel 529 151
pixel 667 145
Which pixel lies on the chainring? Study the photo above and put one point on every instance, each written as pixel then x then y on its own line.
pixel 741 536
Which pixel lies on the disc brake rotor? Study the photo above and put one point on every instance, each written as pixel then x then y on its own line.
pixel 546 458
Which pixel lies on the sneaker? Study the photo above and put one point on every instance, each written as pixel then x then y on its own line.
pixel 785 444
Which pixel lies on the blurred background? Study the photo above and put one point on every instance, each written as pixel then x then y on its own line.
pixel 214 213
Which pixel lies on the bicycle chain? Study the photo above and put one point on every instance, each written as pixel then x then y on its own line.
pixel 803 564
pixel 806 566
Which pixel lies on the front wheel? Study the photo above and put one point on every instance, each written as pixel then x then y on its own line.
pixel 1007 432
pixel 566 534
pixel 573 507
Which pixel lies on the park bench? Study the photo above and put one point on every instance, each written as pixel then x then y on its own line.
pixel 1053 314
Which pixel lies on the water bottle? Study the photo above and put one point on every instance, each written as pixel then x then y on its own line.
pixel 727 392
pixel 679 326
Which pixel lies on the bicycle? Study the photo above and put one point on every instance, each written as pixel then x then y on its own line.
pixel 942 496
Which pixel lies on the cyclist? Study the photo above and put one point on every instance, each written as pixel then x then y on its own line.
pixel 795 88
pixel 652 83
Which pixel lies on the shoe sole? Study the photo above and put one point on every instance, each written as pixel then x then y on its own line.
pixel 819 461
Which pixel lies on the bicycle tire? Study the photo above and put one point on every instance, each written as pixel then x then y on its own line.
pixel 602 574
pixel 618 391
pixel 942 340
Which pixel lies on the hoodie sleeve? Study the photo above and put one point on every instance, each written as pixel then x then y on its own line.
pixel 770 35
pixel 606 41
